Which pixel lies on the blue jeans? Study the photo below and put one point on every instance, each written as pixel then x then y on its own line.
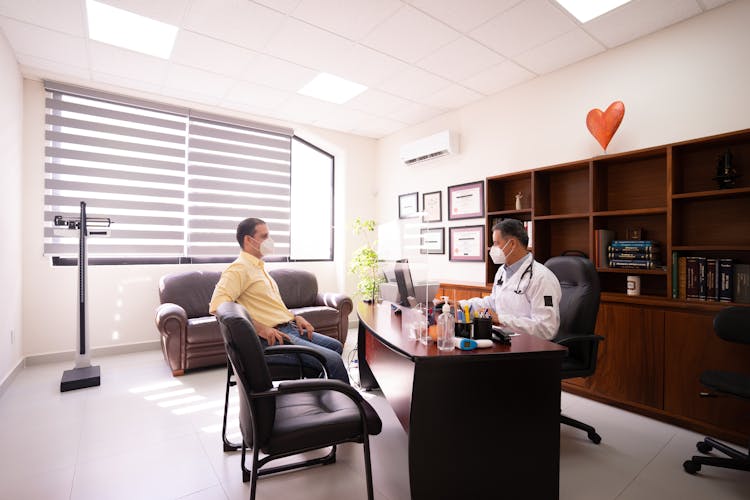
pixel 329 347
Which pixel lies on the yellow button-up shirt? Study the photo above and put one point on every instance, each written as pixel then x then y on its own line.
pixel 246 282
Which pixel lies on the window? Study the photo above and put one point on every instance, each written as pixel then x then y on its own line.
pixel 176 182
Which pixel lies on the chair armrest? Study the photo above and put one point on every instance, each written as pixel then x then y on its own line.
pixel 338 301
pixel 297 350
pixel 171 322
pixel 168 311
pixel 579 339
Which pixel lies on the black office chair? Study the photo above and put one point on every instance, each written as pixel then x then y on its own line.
pixel 579 307
pixel 295 417
pixel 733 325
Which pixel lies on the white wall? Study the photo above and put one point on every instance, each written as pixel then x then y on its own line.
pixel 11 117
pixel 122 299
pixel 688 81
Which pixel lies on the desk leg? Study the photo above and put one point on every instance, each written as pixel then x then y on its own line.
pixel 366 378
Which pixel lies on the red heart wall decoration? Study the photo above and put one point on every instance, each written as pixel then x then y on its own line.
pixel 603 125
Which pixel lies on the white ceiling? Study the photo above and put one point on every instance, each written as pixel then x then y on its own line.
pixel 419 58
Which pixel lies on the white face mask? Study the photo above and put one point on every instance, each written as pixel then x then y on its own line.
pixel 266 246
pixel 497 255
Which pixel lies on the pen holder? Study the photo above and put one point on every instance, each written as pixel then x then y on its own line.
pixel 463 330
pixel 482 328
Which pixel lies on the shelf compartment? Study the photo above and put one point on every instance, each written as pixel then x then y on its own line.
pixel 501 192
pixel 630 181
pixel 636 211
pixel 581 215
pixel 553 237
pixel 654 225
pixel 710 248
pixel 652 285
pixel 711 222
pixel 715 193
pixel 694 162
pixel 656 272
pixel 562 190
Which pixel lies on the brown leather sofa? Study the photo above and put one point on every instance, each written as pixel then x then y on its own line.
pixel 190 336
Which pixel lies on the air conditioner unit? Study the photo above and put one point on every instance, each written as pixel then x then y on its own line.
pixel 437 145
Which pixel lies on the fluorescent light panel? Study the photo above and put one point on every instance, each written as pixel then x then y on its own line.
pixel 586 10
pixel 331 88
pixel 125 29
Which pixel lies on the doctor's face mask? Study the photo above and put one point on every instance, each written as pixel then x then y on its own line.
pixel 497 254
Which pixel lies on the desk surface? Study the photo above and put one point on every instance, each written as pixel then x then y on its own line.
pixel 390 328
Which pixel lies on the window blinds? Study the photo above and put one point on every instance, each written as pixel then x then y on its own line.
pixel 175 183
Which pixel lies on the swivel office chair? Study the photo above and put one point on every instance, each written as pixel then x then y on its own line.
pixel 579 306
pixel 733 325
pixel 296 416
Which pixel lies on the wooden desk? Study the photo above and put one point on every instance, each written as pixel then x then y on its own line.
pixel 481 424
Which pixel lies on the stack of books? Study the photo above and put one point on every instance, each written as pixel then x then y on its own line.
pixel 634 254
pixel 710 279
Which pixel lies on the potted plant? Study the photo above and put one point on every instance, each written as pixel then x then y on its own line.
pixel 365 263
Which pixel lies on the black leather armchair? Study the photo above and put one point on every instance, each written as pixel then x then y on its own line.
pixel 295 417
pixel 733 325
pixel 579 307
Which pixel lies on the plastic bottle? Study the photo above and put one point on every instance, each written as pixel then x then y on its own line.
pixel 446 329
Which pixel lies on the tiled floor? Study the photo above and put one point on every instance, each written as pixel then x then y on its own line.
pixel 146 435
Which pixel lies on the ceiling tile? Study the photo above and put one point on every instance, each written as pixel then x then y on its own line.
pixel 44 68
pixel 196 83
pixel 461 16
pixel 377 103
pixel 60 15
pixel 409 35
pixel 497 78
pixel 112 60
pixel 30 40
pixel 309 46
pixel 199 51
pixel 303 109
pixel 452 97
pixel 377 127
pixel 528 24
pixel 239 22
pixel 167 11
pixel 125 82
pixel 416 113
pixel 255 96
pixel 571 47
pixel 352 19
pixel 367 66
pixel 413 83
pixel 460 59
pixel 277 73
pixel 342 119
pixel 639 18
pixel 285 6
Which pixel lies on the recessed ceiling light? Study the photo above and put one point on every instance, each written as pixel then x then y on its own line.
pixel 125 29
pixel 586 10
pixel 331 88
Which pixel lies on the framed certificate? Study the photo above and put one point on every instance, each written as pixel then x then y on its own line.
pixel 408 205
pixel 466 244
pixel 432 206
pixel 432 241
pixel 466 201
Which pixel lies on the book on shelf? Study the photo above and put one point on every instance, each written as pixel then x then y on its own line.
pixel 692 271
pixel 682 276
pixel 633 264
pixel 675 276
pixel 726 280
pixel 712 279
pixel 615 253
pixel 742 283
pixel 602 239
pixel 529 226
pixel 635 245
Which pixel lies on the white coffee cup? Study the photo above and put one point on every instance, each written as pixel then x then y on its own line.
pixel 634 285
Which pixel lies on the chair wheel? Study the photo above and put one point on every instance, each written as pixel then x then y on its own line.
pixel 691 467
pixel 595 438
pixel 704 447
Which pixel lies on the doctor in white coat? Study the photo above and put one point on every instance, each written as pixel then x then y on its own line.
pixel 525 294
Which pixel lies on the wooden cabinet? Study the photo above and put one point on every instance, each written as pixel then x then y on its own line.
pixel 656 346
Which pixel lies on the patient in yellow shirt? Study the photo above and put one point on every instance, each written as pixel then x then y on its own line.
pixel 247 283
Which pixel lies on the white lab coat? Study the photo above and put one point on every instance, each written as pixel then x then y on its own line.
pixel 535 310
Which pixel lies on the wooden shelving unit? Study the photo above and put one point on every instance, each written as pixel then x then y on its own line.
pixel 656 346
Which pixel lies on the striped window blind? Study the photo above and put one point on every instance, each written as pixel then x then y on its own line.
pixel 174 182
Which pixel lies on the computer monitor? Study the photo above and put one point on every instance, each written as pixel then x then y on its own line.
pixel 404 283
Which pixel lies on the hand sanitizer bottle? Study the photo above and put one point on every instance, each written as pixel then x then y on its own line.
pixel 446 329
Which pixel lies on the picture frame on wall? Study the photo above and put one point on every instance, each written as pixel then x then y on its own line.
pixel 466 201
pixel 408 205
pixel 466 244
pixel 432 241
pixel 432 206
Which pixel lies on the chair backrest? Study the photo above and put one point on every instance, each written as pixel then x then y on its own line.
pixel 579 304
pixel 190 290
pixel 733 324
pixel 251 371
pixel 298 288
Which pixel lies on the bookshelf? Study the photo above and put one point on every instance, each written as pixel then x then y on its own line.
pixel 656 346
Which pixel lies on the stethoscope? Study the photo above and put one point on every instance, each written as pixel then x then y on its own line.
pixel 529 270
